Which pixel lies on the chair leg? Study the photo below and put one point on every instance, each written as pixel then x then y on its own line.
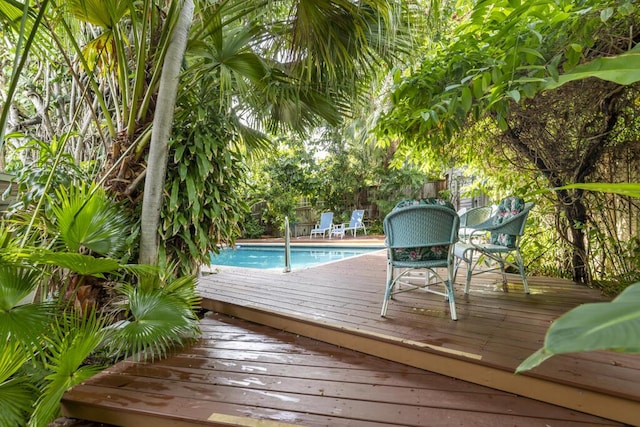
pixel 467 283
pixel 467 258
pixel 520 263
pixel 387 291
pixel 450 293
pixel 504 273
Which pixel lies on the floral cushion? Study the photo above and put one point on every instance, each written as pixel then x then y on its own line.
pixel 430 201
pixel 508 208
pixel 422 253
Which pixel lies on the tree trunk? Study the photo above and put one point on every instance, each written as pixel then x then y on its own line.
pixel 162 125
pixel 576 214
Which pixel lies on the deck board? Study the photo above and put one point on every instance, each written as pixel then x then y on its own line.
pixel 501 328
pixel 241 370
pixel 398 365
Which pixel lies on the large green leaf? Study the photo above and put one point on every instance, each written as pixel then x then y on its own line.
pixel 623 69
pixel 81 264
pixel 15 284
pixel 611 325
pixel 631 189
pixel 160 319
pixel 103 13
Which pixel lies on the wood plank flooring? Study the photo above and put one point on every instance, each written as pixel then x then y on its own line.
pixel 241 373
pixel 313 350
pixel 497 328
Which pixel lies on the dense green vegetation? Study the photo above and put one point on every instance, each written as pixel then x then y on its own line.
pixel 130 127
pixel 142 133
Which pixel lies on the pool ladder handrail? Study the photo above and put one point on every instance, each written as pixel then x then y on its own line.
pixel 287 246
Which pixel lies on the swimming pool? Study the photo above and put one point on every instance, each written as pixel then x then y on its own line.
pixel 272 257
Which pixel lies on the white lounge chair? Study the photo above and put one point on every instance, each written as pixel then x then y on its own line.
pixel 325 225
pixel 356 223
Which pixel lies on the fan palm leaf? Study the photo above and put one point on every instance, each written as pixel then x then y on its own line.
pixel 87 218
pixel 20 322
pixel 16 391
pixel 160 319
pixel 102 13
pixel 73 338
pixel 85 265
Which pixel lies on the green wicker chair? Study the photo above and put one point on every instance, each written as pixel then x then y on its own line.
pixel 420 236
pixel 472 217
pixel 505 228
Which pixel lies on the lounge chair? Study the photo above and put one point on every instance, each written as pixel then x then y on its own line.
pixel 505 228
pixel 420 236
pixel 356 223
pixel 324 226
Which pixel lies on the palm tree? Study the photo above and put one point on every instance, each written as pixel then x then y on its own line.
pixel 272 65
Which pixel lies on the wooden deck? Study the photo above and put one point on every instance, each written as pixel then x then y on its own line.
pixel 240 371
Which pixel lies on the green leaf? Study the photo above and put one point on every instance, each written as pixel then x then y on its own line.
pixel 191 190
pixel 514 94
pixel 87 217
pixel 74 337
pixel 16 392
pixel 534 360
pixel 623 188
pixel 79 263
pixel 467 99
pixel 161 318
pixel 532 52
pixel 605 14
pixel 623 69
pixel 611 325
pixel 15 284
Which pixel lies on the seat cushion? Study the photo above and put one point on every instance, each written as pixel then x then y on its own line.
pixel 508 208
pixel 423 253
pixel 429 201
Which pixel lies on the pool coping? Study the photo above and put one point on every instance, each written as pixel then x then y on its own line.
pixel 375 244
pixel 365 242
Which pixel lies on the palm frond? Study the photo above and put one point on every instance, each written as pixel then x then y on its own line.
pixel 159 321
pixel 15 284
pixel 16 391
pixel 85 265
pixel 86 217
pixel 73 338
pixel 18 321
pixel 25 323
pixel 102 13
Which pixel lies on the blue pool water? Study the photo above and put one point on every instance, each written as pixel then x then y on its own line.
pixel 272 257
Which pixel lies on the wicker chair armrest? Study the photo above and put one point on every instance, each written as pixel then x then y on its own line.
pixel 512 225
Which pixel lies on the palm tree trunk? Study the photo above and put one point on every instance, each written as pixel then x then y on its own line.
pixel 162 124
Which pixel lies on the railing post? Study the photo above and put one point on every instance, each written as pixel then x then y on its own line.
pixel 287 245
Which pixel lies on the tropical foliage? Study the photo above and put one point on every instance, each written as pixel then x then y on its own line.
pixel 70 307
pixel 258 65
pixel 186 96
pixel 494 92
pixel 177 95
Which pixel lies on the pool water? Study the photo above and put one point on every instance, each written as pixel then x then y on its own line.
pixel 272 257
